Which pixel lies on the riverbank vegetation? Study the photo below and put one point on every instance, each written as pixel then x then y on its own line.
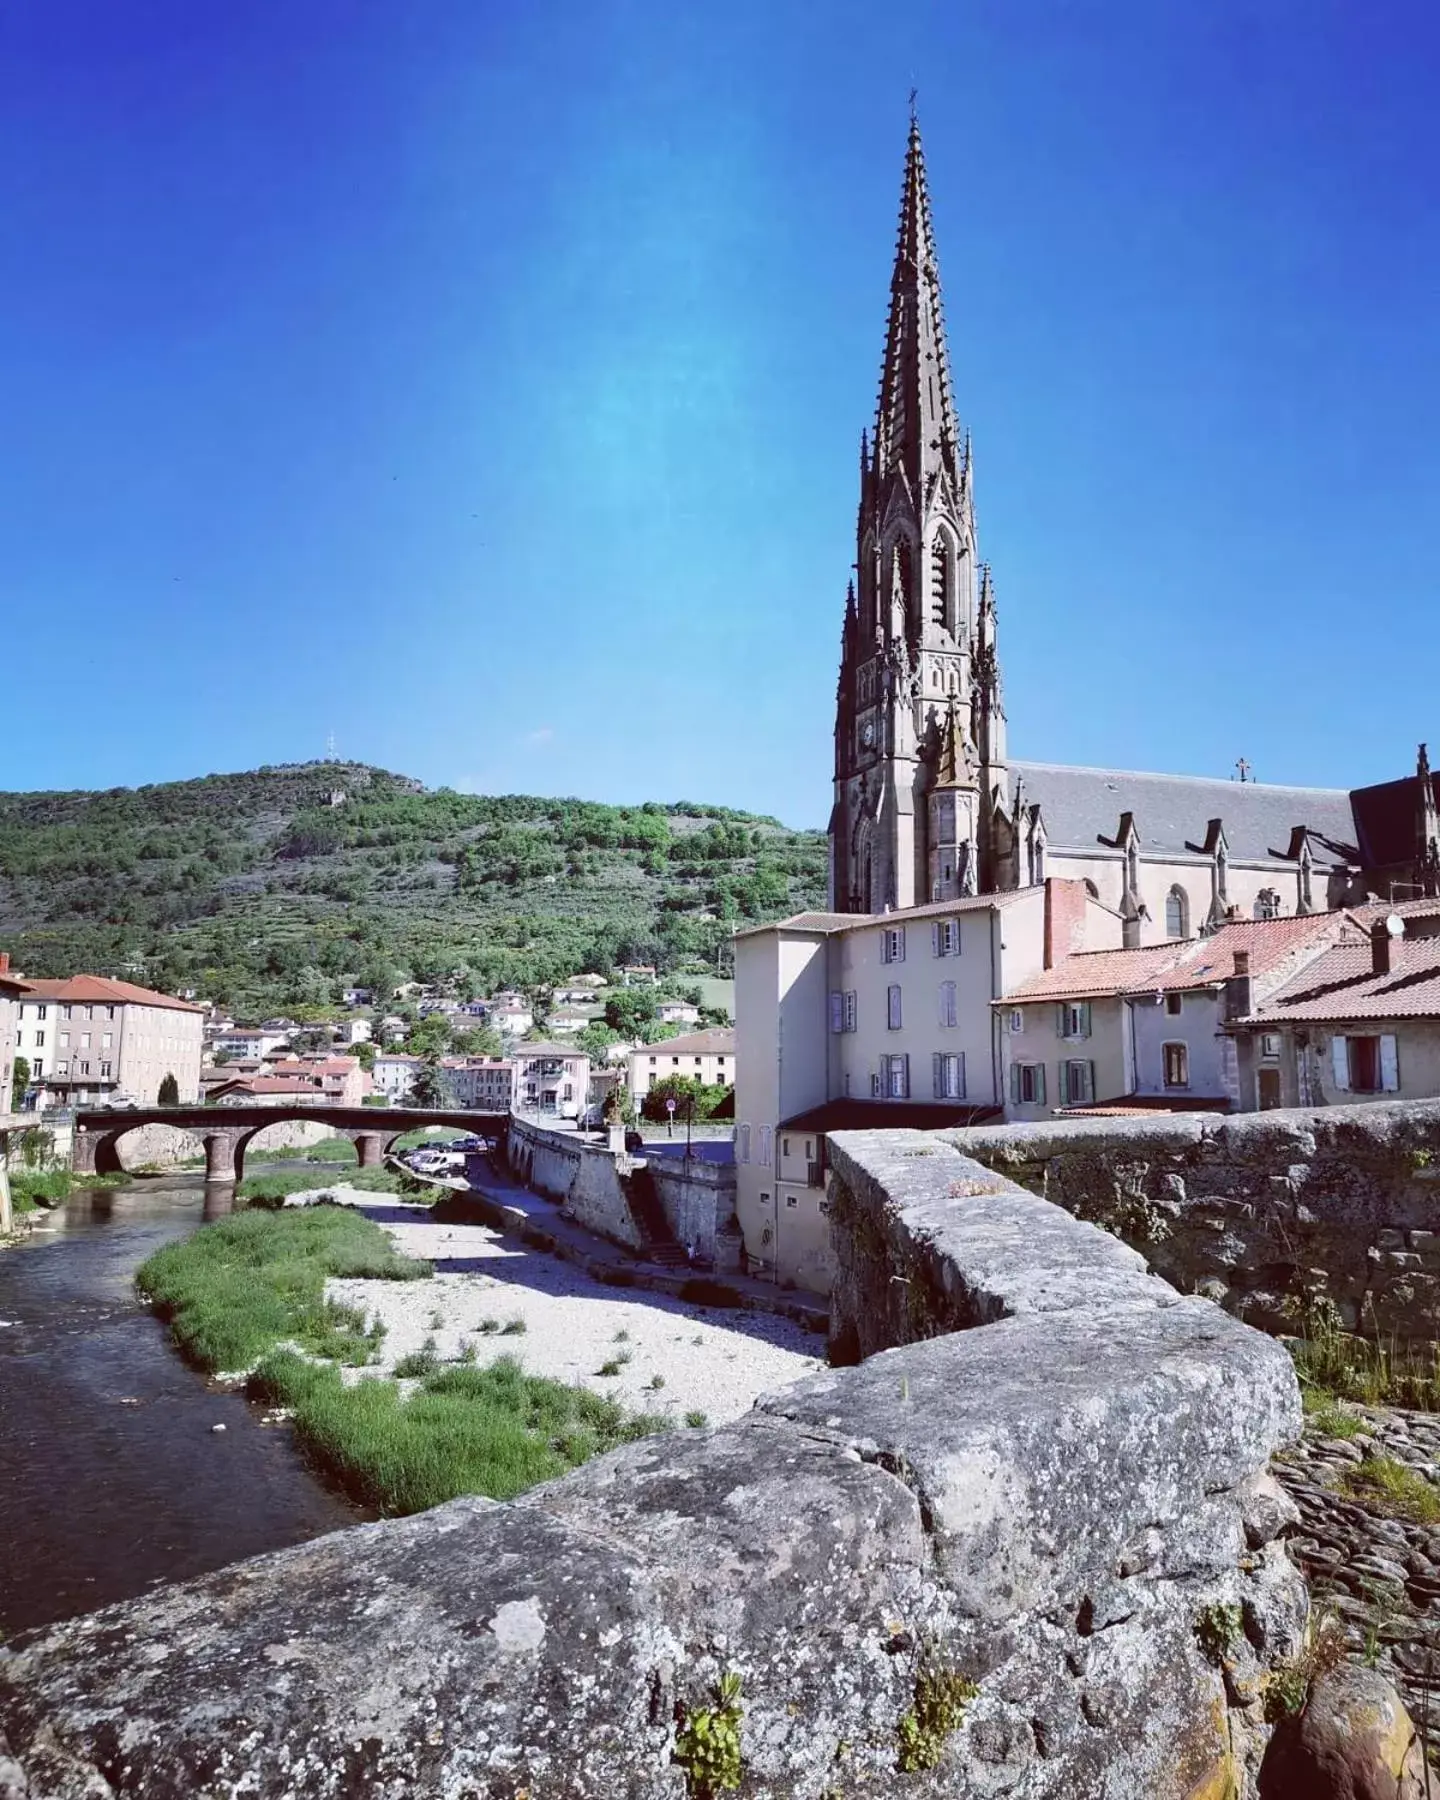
pixel 35 1190
pixel 493 1431
pixel 245 1284
pixel 248 1293
pixel 277 1185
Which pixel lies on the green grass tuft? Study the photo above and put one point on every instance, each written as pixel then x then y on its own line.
pixel 1389 1487
pixel 241 1286
pixel 494 1431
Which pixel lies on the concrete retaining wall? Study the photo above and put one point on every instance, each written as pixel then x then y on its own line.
pixel 583 1176
pixel 1267 1213
pixel 1027 1502
pixel 699 1202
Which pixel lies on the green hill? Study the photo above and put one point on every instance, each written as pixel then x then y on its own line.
pixel 278 888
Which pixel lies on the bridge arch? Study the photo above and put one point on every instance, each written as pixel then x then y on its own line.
pixel 225 1131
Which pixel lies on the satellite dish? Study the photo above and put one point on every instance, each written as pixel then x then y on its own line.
pixel 1395 925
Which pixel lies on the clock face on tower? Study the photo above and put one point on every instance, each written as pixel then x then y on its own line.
pixel 867 733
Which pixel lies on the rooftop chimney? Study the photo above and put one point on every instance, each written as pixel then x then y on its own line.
pixel 1242 962
pixel 1383 934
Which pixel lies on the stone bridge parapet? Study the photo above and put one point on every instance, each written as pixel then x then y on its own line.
pixel 1041 1497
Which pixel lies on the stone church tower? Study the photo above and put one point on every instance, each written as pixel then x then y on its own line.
pixel 921 792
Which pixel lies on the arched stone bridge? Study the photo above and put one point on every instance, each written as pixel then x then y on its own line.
pixel 226 1130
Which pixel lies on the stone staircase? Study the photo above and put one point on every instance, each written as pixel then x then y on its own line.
pixel 659 1243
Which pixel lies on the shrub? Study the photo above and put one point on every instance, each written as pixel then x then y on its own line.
pixel 707 1746
pixel 514 1328
pixel 424 1361
pixel 941 1697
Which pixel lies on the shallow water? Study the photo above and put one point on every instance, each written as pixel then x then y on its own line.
pixel 111 1477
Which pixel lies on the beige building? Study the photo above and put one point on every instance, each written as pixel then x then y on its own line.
pixel 1362 1021
pixel 704 1056
pixel 90 1040
pixel 1147 1029
pixel 846 1020
pixel 12 991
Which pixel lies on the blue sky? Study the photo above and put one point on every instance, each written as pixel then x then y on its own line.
pixel 482 382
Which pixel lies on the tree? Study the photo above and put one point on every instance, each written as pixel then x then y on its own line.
pixel 686 1092
pixel 20 1082
pixel 629 1011
pixel 364 1054
pixel 169 1094
pixel 431 1086
pixel 477 1040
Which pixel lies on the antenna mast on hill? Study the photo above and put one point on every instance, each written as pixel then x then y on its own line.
pixel 330 747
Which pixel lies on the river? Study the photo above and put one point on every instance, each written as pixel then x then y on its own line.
pixel 112 1476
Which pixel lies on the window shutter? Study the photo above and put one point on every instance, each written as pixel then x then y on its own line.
pixel 837 1011
pixel 1085 1019
pixel 1040 1084
pixel 885 945
pixel 1089 1097
pixel 899 943
pixel 955 937
pixel 904 1062
pixel 960 1067
pixel 1064 1085
pixel 1060 1020
pixel 937 1062
pixel 1389 1065
pixel 1015 1083
pixel 1340 1061
pixel 936 942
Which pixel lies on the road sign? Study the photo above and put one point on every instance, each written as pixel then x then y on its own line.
pixel 670 1107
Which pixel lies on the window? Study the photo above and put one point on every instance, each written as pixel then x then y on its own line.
pixel 1027 1084
pixel 62 1068
pixel 64 1040
pixel 1177 913
pixel 107 1070
pixel 84 1040
pixel 84 1068
pixel 790 1200
pixel 949 1074
pixel 1017 1020
pixel 1366 1065
pixel 65 1012
pixel 851 1011
pixel 940 579
pixel 41 1012
pixel 39 1036
pixel 892 1008
pixel 945 936
pixel 1174 1004
pixel 785 1146
pixel 744 1143
pixel 1077 1083
pixel 1267 904
pixel 39 1068
pixel 766 1152
pixel 1270 1044
pixel 1074 1019
pixel 947 1003
pixel 895 1077
pixel 837 1011
pixel 1176 1059
pixel 892 944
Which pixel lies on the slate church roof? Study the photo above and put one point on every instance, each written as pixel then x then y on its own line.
pixel 1082 807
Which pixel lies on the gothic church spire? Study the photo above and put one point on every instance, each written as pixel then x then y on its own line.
pixel 916 429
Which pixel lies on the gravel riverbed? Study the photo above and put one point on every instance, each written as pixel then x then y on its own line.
pixel 670 1357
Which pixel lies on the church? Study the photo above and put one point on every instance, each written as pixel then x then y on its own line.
pixel 929 805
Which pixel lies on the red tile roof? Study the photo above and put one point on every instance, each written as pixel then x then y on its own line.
pixel 1342 985
pixel 1195 963
pixel 718 1041
pixel 88 989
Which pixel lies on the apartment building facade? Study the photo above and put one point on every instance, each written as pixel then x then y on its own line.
pixel 704 1056
pixel 12 992
pixel 89 1039
pixel 550 1078
pixel 846 1020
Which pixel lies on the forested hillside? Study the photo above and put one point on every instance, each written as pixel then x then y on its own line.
pixel 278 888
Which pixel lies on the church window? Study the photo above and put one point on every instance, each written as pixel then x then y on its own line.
pixel 940 581
pixel 1177 913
